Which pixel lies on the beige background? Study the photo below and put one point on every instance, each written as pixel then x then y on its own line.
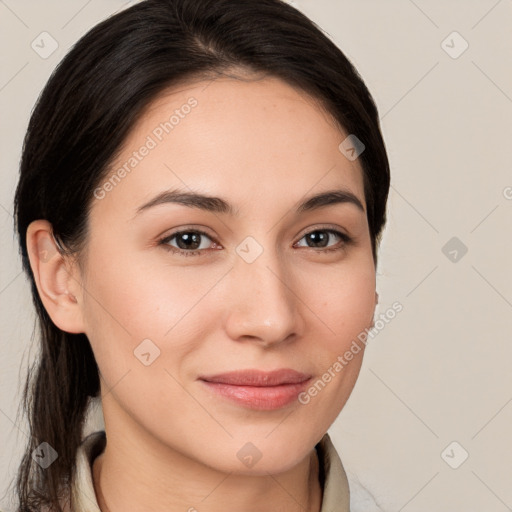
pixel 440 371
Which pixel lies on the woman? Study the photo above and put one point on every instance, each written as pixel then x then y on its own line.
pixel 234 132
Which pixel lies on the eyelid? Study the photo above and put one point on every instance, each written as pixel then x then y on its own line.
pixel 203 231
pixel 187 229
pixel 324 227
pixel 194 227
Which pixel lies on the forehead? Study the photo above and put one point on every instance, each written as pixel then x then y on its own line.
pixel 254 141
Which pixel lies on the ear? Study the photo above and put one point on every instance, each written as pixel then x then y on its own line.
pixel 56 277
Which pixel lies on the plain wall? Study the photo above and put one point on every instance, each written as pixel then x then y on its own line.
pixel 438 372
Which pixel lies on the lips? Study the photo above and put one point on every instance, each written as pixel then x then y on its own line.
pixel 256 389
pixel 258 378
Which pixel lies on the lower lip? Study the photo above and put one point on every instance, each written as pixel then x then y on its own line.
pixel 264 398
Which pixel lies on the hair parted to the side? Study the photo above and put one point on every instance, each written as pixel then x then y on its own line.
pixel 77 128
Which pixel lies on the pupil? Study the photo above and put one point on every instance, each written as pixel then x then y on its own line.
pixel 318 237
pixel 189 237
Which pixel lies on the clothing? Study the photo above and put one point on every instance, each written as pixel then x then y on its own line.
pixel 333 478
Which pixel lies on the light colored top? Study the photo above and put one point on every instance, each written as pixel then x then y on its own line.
pixel 333 478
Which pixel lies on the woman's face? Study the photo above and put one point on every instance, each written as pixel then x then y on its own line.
pixel 269 286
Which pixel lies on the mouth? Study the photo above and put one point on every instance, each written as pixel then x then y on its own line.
pixel 256 389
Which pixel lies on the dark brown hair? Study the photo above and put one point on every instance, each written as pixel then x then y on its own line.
pixel 79 123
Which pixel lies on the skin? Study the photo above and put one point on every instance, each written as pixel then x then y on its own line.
pixel 172 444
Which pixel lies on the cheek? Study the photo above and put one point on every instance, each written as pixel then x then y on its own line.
pixel 130 300
pixel 141 298
pixel 345 307
pixel 344 301
pixel 136 320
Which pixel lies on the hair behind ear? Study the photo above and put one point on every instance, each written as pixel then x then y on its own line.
pixel 56 395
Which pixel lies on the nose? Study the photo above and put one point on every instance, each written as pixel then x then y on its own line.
pixel 264 305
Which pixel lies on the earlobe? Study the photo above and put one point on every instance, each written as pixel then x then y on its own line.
pixel 56 283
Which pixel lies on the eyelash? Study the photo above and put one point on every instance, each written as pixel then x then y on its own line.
pixel 346 240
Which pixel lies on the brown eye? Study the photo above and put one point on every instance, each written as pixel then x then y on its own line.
pixel 320 238
pixel 188 242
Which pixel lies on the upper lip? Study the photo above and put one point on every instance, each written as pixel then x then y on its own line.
pixel 258 377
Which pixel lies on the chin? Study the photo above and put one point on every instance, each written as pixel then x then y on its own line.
pixel 260 456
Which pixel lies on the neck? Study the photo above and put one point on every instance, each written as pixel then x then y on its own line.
pixel 129 487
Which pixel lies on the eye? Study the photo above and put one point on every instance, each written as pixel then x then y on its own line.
pixel 319 238
pixel 188 242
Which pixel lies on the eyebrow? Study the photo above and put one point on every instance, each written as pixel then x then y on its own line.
pixel 219 205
